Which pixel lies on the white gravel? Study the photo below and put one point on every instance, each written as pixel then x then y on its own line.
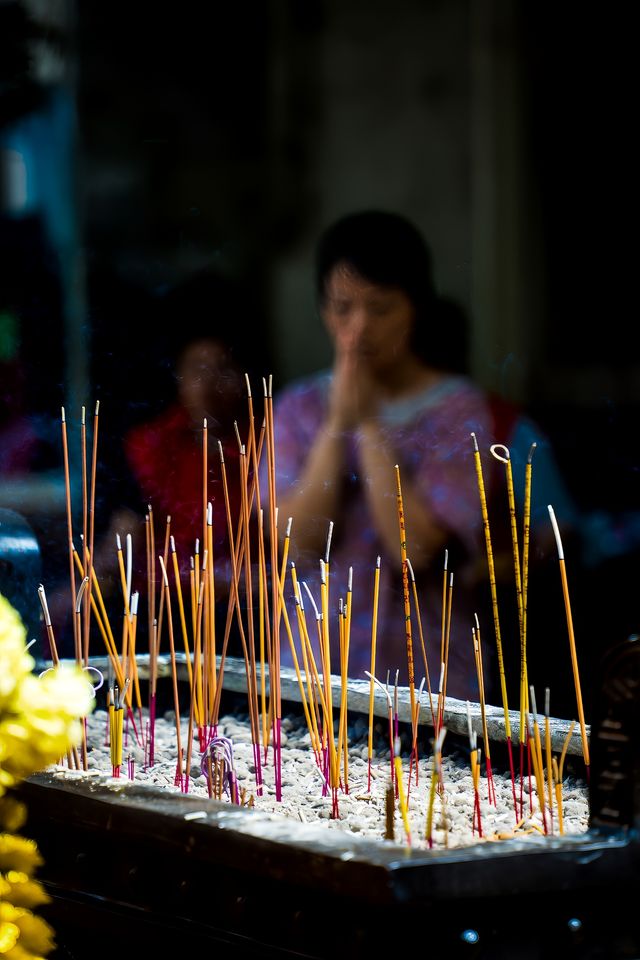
pixel 361 811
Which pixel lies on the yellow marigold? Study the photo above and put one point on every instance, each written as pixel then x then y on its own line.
pixel 18 888
pixel 9 933
pixel 35 936
pixel 15 660
pixel 18 853
pixel 13 814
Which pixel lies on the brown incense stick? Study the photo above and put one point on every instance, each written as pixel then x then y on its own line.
pixel 405 590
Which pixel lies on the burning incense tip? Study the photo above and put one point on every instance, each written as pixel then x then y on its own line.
pixel 220 452
pixel 329 535
pixel 173 543
pixel 288 530
pixel 45 608
pixel 475 443
pixel 204 424
pixel 118 542
pixel 83 587
pixel 134 603
pixel 556 531
pixel 63 415
pixel 246 377
pixel 411 573
pixel 82 417
pixel 209 514
pixel 164 572
pixel 530 454
pixel 97 408
pixel 382 687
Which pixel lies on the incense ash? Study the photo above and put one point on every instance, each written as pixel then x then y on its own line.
pixel 436 810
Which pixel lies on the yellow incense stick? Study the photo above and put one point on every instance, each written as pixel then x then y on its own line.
pixel 538 765
pixel 526 537
pixel 183 622
pixel 401 794
pixel 558 789
pixel 211 611
pixel 344 673
pixel 304 644
pixel 492 582
pixel 477 649
pixel 436 775
pixel 505 457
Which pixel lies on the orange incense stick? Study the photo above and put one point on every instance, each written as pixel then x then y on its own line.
pixel 447 639
pixel 102 620
pixel 210 607
pixel 134 663
pixel 312 660
pixel 443 624
pixel 67 491
pixel 305 646
pixel 174 674
pixel 92 504
pixel 548 755
pixel 85 505
pixel 165 556
pixel 183 622
pixel 422 643
pixel 572 641
pixel 205 479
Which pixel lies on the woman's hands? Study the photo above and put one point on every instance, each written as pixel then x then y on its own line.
pixel 353 399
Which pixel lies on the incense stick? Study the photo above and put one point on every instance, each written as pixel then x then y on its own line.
pixel 494 602
pixel 572 642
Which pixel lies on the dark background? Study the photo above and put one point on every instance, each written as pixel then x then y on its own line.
pixel 225 136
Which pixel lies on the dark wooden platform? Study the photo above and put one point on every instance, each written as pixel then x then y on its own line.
pixel 131 873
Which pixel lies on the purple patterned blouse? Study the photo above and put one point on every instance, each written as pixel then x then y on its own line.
pixel 430 434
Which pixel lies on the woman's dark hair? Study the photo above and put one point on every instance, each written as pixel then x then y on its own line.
pixel 387 249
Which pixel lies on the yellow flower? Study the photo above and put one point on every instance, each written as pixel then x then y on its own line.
pixel 15 660
pixel 20 890
pixel 18 853
pixel 40 720
pixel 13 814
pixel 9 934
pixel 35 936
